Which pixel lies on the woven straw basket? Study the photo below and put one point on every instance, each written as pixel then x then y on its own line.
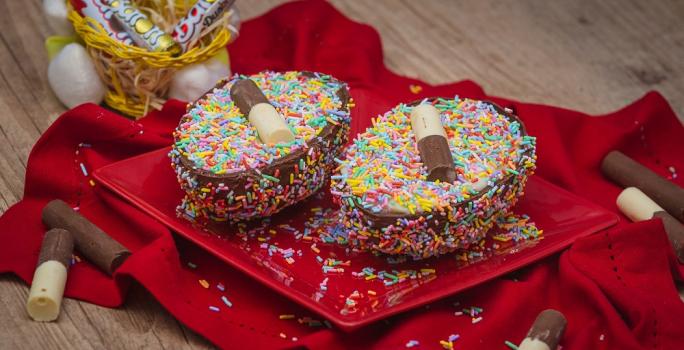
pixel 138 79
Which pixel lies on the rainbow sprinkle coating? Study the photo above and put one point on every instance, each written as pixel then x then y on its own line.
pixel 229 175
pixel 388 205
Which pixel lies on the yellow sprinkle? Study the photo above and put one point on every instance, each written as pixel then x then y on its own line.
pixel 415 89
pixel 286 317
pixel 91 182
pixel 204 283
pixel 446 345
pixel 372 292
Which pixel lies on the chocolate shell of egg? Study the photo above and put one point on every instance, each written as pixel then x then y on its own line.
pixel 229 174
pixel 389 203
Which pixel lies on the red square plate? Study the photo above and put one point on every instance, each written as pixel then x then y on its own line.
pixel 148 182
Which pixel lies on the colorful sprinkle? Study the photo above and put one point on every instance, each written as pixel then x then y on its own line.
pixel 511 345
pixel 412 343
pixel 226 301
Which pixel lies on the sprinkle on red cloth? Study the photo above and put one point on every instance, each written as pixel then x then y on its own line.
pixel 616 287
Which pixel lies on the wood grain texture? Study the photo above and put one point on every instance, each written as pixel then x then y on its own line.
pixel 590 55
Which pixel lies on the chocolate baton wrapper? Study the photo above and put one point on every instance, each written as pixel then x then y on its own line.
pixel 104 15
pixel 628 173
pixel 98 247
pixel 435 154
pixel 142 30
pixel 545 332
pixel 201 16
pixel 49 278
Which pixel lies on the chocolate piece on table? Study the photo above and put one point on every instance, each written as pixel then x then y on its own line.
pixel 637 206
pixel 628 173
pixel 98 247
pixel 432 143
pixel 252 102
pixel 49 279
pixel 546 332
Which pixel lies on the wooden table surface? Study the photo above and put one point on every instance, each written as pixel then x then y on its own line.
pixel 593 56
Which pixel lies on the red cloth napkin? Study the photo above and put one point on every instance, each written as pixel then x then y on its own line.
pixel 616 287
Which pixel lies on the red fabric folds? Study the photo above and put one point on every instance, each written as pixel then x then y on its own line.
pixel 615 287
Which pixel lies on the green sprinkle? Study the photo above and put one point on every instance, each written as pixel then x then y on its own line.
pixel 511 345
pixel 271 178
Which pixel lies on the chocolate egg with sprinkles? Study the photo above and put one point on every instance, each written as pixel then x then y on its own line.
pixel 389 202
pixel 230 170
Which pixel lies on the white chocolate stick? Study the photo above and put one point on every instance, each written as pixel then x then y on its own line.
pixel 425 121
pixel 432 143
pixel 47 287
pixel 254 105
pixel 269 124
pixel 47 290
pixel 636 205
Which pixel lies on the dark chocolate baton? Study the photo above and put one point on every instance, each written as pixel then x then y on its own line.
pixel 91 241
pixel 628 173
pixel 546 332
pixel 675 232
pixel 254 105
pixel 49 279
pixel 432 143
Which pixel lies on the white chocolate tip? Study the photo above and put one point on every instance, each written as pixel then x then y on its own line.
pixel 425 121
pixel 271 127
pixel 636 205
pixel 47 290
pixel 533 344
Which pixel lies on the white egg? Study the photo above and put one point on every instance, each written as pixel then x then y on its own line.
pixel 56 15
pixel 194 80
pixel 73 78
